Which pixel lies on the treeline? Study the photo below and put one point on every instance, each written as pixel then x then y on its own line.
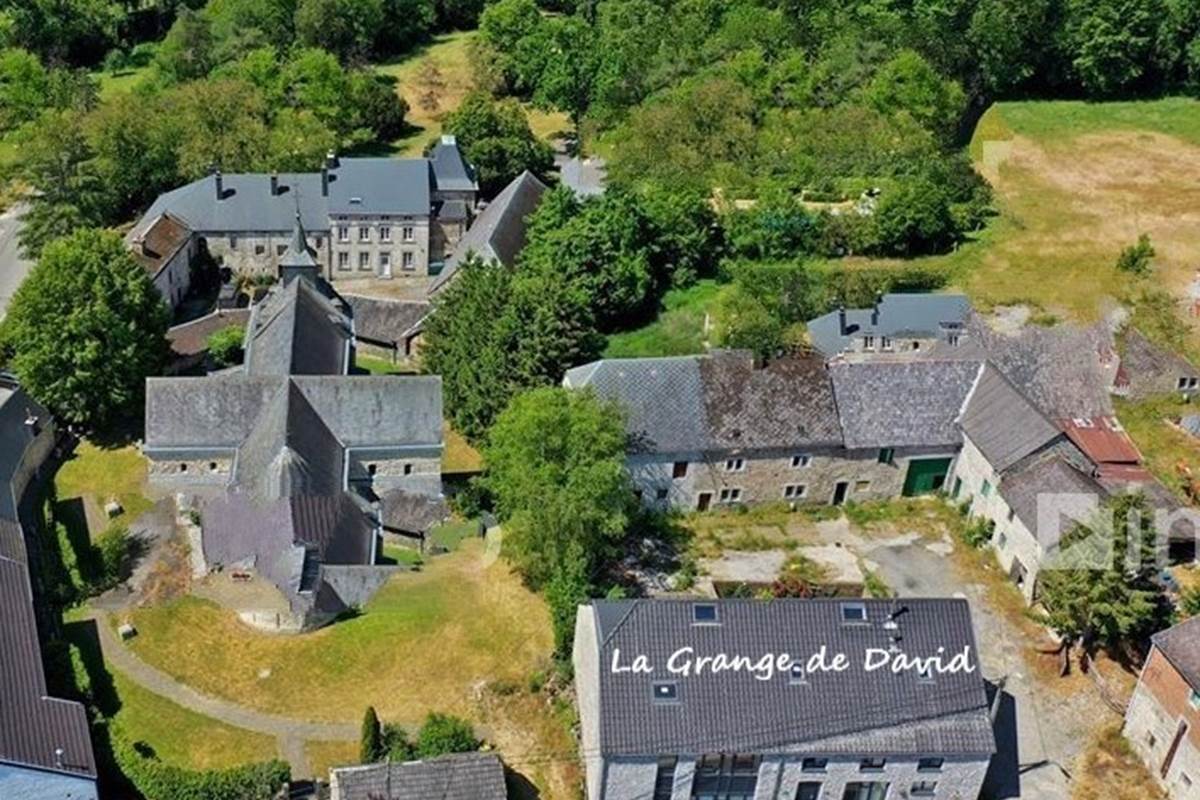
pixel 839 103
pixel 96 163
pixel 85 33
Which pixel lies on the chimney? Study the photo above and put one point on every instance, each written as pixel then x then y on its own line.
pixel 325 181
pixel 274 183
pixel 331 160
pixel 449 139
pixel 842 320
pixel 220 184
pixel 875 311
pixel 33 424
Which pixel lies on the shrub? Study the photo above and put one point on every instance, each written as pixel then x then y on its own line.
pixel 1189 602
pixel 225 346
pixel 115 548
pixel 1135 259
pixel 442 734
pixel 978 532
pixel 371 746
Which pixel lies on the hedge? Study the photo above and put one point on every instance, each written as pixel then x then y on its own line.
pixel 159 781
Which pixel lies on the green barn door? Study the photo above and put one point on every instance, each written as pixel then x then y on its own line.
pixel 925 475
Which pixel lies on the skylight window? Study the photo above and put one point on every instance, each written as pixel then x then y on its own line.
pixel 666 692
pixel 854 612
pixel 704 614
pixel 796 674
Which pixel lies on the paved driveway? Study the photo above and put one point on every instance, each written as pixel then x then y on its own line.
pixel 13 268
pixel 1040 731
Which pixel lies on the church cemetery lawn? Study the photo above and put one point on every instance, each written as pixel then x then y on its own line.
pixel 424 643
pixel 182 737
pixel 95 475
pixel 428 102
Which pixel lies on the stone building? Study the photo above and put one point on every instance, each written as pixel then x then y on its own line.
pixel 1162 722
pixel 897 326
pixel 460 776
pixel 291 460
pixel 773 700
pixel 45 742
pixel 719 429
pixel 1148 370
pixel 165 246
pixel 365 217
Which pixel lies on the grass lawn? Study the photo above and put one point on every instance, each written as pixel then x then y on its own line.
pixel 182 737
pixel 451 535
pixel 377 365
pixel 121 82
pixel 324 755
pixel 433 80
pixel 1110 769
pixel 420 645
pixel 402 555
pixel 458 456
pixel 1163 445
pixel 678 330
pixel 95 475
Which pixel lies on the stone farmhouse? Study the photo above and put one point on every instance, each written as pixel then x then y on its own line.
pixel 291 463
pixel 993 420
pixel 667 712
pixel 45 744
pixel 1162 722
pixel 906 325
pixel 365 217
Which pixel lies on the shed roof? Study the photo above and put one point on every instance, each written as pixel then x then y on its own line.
pixel 1002 423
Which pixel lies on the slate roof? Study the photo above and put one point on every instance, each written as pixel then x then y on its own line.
pixel 462 776
pixel 33 726
pixel 881 712
pixel 380 186
pixel 402 510
pixel 498 232
pixel 897 315
pixel 1063 370
pixel 287 418
pixel 156 241
pixel 1144 360
pixel 1181 646
pixel 247 203
pixel 717 401
pixel 296 330
pixel 1002 423
pixel 584 176
pixel 451 172
pixel 902 403
pixel 385 322
pixel 1047 474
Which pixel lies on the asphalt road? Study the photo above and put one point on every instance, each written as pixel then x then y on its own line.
pixel 13 268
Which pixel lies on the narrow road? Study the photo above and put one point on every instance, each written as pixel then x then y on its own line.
pixel 13 268
pixel 290 733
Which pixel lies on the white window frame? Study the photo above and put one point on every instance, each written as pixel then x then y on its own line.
pixel 343 233
pixel 364 233
pixel 364 261
pixel 408 233
pixel 343 260
pixel 735 465
pixel 885 343
pixel 795 491
pixel 801 461
pixel 730 494
pixel 385 233
pixel 868 343
pixel 408 260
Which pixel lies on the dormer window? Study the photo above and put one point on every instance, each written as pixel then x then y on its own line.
pixel 868 343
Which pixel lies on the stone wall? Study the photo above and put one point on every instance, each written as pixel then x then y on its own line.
pixel 766 476
pixel 422 473
pixel 256 253
pixel 1161 701
pixel 346 252
pixel 190 470
pixel 585 658
pixel 174 279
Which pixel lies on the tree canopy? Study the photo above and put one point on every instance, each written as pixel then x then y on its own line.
pixel 86 328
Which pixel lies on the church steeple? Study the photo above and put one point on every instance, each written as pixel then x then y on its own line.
pixel 299 259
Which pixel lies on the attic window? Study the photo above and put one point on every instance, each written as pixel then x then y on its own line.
pixel 704 614
pixel 355 201
pixel 666 692
pixel 854 612
pixel 925 675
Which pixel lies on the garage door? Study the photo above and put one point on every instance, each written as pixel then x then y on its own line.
pixel 925 475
